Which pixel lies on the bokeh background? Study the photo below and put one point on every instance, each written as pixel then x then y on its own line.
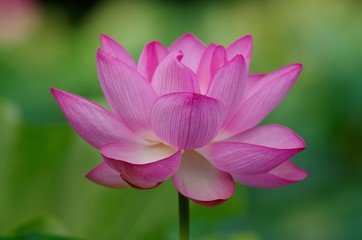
pixel 47 44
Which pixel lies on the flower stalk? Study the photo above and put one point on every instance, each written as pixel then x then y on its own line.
pixel 184 217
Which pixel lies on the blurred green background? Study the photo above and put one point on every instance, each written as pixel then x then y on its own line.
pixel 47 44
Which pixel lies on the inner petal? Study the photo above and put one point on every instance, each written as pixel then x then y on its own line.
pixel 187 120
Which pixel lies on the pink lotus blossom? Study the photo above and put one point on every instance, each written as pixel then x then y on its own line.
pixel 188 112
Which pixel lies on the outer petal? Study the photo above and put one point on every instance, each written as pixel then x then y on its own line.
pixel 151 56
pixel 187 120
pixel 106 176
pixel 126 91
pixel 256 151
pixel 142 166
pixel 212 59
pixel 253 83
pixel 114 49
pixel 284 174
pixel 198 180
pixel 254 109
pixel 92 122
pixel 172 76
pixel 192 48
pixel 242 46
pixel 272 135
pixel 228 84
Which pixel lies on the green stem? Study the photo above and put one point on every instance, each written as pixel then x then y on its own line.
pixel 184 217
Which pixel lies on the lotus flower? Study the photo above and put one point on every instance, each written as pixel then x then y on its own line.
pixel 188 112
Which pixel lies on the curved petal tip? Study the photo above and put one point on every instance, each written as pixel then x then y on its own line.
pixel 142 166
pixel 106 176
pixel 209 203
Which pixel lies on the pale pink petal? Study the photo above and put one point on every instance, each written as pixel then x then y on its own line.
pixel 106 176
pixel 111 47
pixel 93 123
pixel 284 174
pixel 201 182
pixel 213 57
pixel 218 58
pixel 254 109
pixel 140 165
pixel 187 120
pixel 209 203
pixel 253 83
pixel 128 94
pixel 172 76
pixel 272 135
pixel 152 54
pixel 192 48
pixel 204 70
pixel 242 46
pixel 228 84
pixel 254 152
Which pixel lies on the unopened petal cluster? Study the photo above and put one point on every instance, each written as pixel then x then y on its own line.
pixel 187 112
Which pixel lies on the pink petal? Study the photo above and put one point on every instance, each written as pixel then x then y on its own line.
pixel 172 76
pixel 244 158
pixel 129 95
pixel 284 174
pixel 92 122
pixel 272 135
pixel 228 83
pixel 204 70
pixel 198 180
pixel 253 83
pixel 106 176
pixel 254 109
pixel 187 120
pixel 256 151
pixel 151 56
pixel 192 48
pixel 142 166
pixel 242 46
pixel 218 59
pixel 209 203
pixel 111 47
pixel 212 59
